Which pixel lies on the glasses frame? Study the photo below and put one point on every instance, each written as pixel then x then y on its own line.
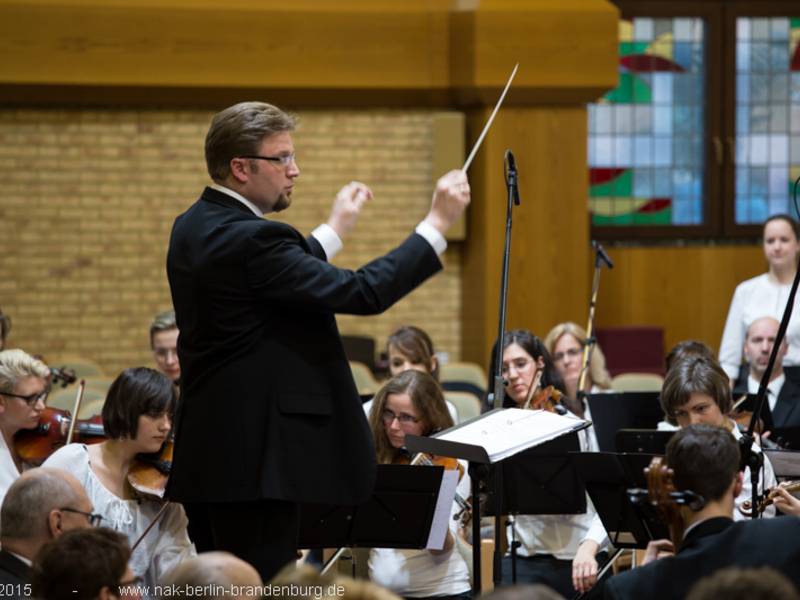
pixel 30 399
pixel 94 518
pixel 573 352
pixel 403 419
pixel 283 161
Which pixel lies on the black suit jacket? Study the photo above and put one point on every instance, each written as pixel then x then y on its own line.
pixel 268 405
pixel 786 412
pixel 15 572
pixel 712 545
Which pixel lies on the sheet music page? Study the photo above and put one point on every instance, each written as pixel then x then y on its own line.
pixel 510 431
pixel 441 515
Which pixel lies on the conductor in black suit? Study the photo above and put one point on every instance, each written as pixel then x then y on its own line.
pixel 269 413
pixel 705 460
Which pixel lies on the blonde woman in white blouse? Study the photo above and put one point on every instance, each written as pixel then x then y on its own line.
pixel 765 296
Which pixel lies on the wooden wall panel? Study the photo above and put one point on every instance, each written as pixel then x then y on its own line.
pixel 550 250
pixel 686 291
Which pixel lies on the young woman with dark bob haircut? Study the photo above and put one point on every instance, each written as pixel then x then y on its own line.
pixel 137 416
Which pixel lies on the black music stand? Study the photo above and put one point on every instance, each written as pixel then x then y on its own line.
pixel 642 441
pixel 479 460
pixel 787 438
pixel 398 515
pixel 785 463
pixel 608 476
pixel 628 410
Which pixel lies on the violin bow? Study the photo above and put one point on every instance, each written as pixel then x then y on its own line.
pixel 155 520
pixel 75 409
pixel 486 127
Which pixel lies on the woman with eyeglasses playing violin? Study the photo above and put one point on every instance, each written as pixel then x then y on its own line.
pixel 137 417
pixel 412 403
pixel 548 543
pixel 24 385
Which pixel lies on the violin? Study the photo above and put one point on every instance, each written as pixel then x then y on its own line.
pixel 768 498
pixel 62 376
pixel 149 473
pixel 548 399
pixel 33 446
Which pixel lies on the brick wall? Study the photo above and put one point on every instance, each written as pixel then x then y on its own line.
pixel 89 197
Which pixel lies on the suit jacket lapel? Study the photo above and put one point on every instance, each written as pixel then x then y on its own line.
pixel 785 406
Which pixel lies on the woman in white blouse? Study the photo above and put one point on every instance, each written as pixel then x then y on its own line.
pixel 137 417
pixel 765 295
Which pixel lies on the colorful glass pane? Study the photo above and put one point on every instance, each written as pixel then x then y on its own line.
pixel 646 162
pixel 767 116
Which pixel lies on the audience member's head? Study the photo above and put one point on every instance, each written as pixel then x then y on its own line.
pixel 537 591
pixel 705 460
pixel 5 328
pixel 164 344
pixel 410 347
pixel 86 564
pixel 565 343
pixel 222 574
pixel 306 583
pixel 696 390
pixel 688 349
pixel 40 505
pixel 758 343
pixel 734 583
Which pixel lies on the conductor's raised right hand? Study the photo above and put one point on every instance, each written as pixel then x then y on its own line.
pixel 450 198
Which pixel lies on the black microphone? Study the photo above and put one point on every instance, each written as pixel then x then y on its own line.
pixel 511 175
pixel 601 255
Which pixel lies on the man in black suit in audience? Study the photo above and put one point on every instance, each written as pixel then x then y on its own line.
pixel 705 460
pixel 783 393
pixel 263 369
pixel 38 507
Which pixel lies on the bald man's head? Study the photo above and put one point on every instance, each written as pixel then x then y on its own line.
pixel 42 504
pixel 213 569
pixel 758 344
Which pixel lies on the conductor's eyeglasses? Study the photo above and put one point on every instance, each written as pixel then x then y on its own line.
pixel 284 160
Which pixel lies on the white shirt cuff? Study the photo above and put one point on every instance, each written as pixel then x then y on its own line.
pixel 433 237
pixel 329 240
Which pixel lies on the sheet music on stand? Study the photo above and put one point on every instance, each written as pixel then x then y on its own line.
pixel 504 432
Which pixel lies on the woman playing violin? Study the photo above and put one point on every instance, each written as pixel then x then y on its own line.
pixel 23 395
pixel 548 543
pixel 137 416
pixel 412 403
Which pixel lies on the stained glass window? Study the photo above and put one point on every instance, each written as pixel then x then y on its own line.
pixel 767 115
pixel 646 161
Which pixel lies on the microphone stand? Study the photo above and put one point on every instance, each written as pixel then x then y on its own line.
pixel 510 170
pixel 600 258
pixel 748 457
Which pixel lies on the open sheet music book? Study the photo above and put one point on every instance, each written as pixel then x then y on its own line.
pixel 505 432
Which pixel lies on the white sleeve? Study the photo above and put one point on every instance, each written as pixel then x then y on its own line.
pixel 730 348
pixel 329 240
pixel 597 533
pixel 173 545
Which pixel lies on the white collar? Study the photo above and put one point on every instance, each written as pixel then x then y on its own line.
pixel 221 188
pixel 774 386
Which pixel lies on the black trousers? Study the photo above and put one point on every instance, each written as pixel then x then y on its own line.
pixel 262 533
pixel 545 569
